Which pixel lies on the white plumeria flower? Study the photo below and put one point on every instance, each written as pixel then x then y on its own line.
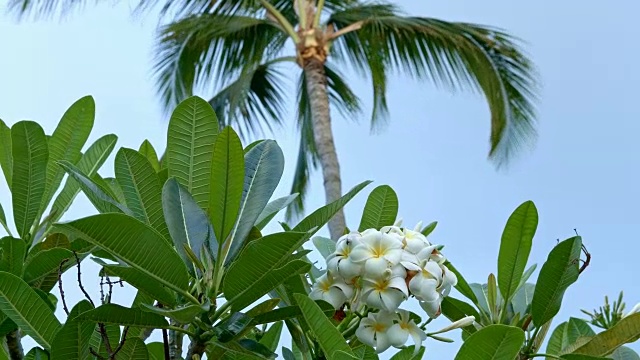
pixel 432 307
pixel 464 322
pixel 449 279
pixel 387 292
pixel 340 262
pixel 378 251
pixel 403 328
pixel 374 330
pixel 417 261
pixel 332 290
pixel 425 283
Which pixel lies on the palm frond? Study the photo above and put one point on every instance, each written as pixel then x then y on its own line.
pixel 256 99
pixel 343 100
pixel 456 56
pixel 210 48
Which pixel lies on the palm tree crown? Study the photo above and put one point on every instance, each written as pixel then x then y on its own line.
pixel 240 46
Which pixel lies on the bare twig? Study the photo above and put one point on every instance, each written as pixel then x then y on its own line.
pixel 80 280
pixel 95 353
pixel 165 341
pixel 124 338
pixel 105 337
pixel 64 301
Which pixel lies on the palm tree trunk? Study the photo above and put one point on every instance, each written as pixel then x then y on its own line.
pixel 323 136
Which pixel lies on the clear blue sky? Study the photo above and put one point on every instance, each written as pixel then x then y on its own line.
pixel 582 174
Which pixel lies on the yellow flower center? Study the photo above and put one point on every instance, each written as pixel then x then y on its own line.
pixel 379 327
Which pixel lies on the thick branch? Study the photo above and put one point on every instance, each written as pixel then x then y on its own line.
pixel 14 345
pixel 195 348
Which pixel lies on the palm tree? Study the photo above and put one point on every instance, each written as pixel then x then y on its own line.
pixel 242 46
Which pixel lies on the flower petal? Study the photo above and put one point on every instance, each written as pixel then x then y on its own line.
pixel 375 268
pixel 431 307
pixel 361 253
pixel 366 334
pixel 391 299
pixel 397 335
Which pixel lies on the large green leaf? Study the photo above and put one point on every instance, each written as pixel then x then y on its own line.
pixel 137 244
pixel 515 247
pixel 522 299
pixel 272 209
pixel 324 245
pixel 119 315
pixel 408 354
pixel 3 220
pixel 328 337
pixel 188 224
pixel 4 355
pixel 182 315
pixel 72 341
pixel 192 133
pixel 99 195
pixel 558 340
pixel 12 252
pixel 491 343
pixel 147 150
pixel 580 357
pixel 44 263
pixel 625 331
pixel 381 208
pixel 271 337
pixel 156 351
pixel 259 261
pixel 263 167
pixel 624 353
pixel 462 286
pixel 227 175
pixel 67 141
pixel 28 183
pixel 23 306
pixel 141 281
pixel 141 188
pixel 320 217
pixel 557 274
pixel 133 349
pixel 6 157
pixel 88 164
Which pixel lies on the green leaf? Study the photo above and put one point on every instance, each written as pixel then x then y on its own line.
pixel 133 349
pixel 111 185
pixel 625 331
pixel 3 352
pixel 271 337
pixel 147 150
pixel 454 310
pixel 156 351
pixel 30 155
pixel 580 357
pixel 135 243
pixel 96 193
pixel 182 315
pixel 258 263
pixel 320 217
pixel 36 354
pixel 67 141
pixel 6 149
pixel 558 272
pixel 577 328
pixel 381 208
pixel 429 228
pixel 44 263
pixel 192 133
pixel 187 222
pixel 408 354
pixel 557 340
pixel 232 327
pixel 3 220
pixel 462 286
pixel 515 247
pixel 324 245
pixel 72 341
pixel 141 188
pixel 89 163
pixel 327 335
pixel 288 312
pixel 119 315
pixel 272 209
pixel 492 342
pixel 624 353
pixel 364 352
pixel 23 306
pixel 522 299
pixel 97 343
pixel 263 167
pixel 12 255
pixel 227 175
pixel 141 281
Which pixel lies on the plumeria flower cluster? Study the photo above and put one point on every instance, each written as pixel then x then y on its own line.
pixel 381 269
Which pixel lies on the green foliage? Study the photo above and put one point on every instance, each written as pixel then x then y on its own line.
pixel 72 341
pixel 381 208
pixel 492 342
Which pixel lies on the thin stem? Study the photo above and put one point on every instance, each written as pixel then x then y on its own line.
pixel 121 344
pixel 80 280
pixel 95 353
pixel 286 25
pixel 165 341
pixel 319 8
pixel 221 310
pixel 180 330
pixel 64 301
